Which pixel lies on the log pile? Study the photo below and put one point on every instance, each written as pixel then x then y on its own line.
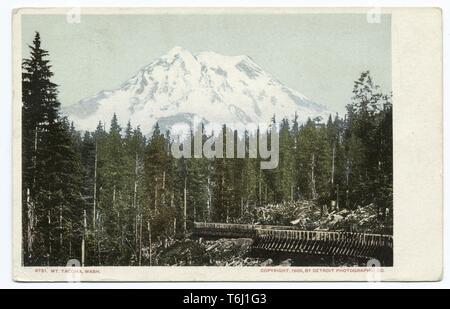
pixel 306 215
pixel 221 252
pixel 285 213
pixel 183 253
pixel 228 252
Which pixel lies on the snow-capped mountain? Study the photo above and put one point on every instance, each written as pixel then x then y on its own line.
pixel 181 88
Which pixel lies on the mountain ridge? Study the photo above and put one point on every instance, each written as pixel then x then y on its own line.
pixel 179 89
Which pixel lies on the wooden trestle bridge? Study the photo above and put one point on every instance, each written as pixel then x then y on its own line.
pixel 288 239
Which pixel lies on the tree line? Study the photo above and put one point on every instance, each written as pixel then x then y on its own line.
pixel 104 197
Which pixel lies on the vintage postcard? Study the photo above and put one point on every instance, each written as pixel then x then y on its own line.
pixel 257 144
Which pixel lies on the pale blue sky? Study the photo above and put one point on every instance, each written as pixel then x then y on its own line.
pixel 319 55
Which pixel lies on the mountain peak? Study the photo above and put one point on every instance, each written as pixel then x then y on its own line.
pixel 178 51
pixel 220 57
pixel 180 88
pixel 206 56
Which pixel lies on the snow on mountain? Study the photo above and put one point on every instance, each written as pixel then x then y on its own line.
pixel 181 88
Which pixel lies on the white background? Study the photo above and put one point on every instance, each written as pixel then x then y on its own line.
pixel 6 134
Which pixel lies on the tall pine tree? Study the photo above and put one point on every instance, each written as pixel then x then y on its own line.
pixel 51 169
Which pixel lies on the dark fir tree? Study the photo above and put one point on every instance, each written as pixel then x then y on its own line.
pixel 51 169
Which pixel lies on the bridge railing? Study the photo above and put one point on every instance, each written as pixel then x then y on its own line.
pixel 376 239
pixel 280 238
pixel 241 226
